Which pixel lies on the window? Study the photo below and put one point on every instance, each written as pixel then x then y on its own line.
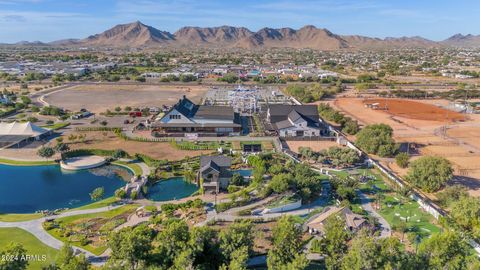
pixel 175 116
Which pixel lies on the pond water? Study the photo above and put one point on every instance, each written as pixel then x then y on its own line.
pixel 243 172
pixel 26 189
pixel 171 189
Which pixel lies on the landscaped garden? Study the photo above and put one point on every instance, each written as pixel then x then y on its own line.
pixel 89 231
pixel 402 213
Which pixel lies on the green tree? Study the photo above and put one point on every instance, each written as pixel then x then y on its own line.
pixel 377 139
pixel 237 235
pixel 120 193
pixel 46 152
pixel 176 231
pixel 430 173
pixel 445 250
pixel 131 247
pixel 334 243
pixel 402 159
pixel 189 176
pixel 280 182
pixel 15 251
pixel 286 243
pixel 238 261
pixel 466 213
pixel 451 194
pixel 237 180
pixel 97 194
pixel 66 260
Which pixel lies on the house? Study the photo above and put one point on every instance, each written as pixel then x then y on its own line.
pixel 214 172
pixel 187 117
pixel 353 222
pixel 295 120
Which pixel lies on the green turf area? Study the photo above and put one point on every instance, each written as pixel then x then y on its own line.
pixel 57 125
pixel 26 163
pixel 187 145
pixel 392 208
pixel 18 217
pixel 105 202
pixel 135 168
pixel 30 243
pixel 88 219
pixel 396 212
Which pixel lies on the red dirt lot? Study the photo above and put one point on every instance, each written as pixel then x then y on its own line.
pixel 415 110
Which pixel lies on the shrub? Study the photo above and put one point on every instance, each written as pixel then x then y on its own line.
pixel 402 160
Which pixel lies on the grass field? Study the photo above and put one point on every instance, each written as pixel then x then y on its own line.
pixel 19 217
pixel 99 204
pixel 394 208
pixel 57 125
pixel 30 243
pixel 419 221
pixel 25 163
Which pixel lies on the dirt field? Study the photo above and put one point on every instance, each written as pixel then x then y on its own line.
pixel 157 150
pixel 98 98
pixel 415 110
pixel 315 145
pixel 458 142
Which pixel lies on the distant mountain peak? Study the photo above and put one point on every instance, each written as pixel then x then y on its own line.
pixel 138 34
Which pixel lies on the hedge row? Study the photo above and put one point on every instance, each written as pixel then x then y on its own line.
pixel 114 129
pixel 88 152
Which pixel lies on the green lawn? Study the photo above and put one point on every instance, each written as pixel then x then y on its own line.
pixel 105 202
pixel 419 221
pixel 30 243
pixel 392 208
pixel 57 125
pixel 26 163
pixel 135 168
pixel 19 217
pixel 88 218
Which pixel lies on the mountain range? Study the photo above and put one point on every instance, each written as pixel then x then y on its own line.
pixel 137 34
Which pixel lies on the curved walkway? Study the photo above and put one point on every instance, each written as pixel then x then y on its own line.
pixel 385 229
pixel 35 227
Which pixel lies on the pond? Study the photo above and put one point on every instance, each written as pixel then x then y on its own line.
pixel 171 189
pixel 26 189
pixel 243 172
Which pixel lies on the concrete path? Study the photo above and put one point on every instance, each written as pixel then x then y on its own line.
pixel 230 215
pixel 385 230
pixel 145 169
pixel 35 227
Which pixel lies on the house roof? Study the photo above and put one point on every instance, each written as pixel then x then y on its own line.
pixel 318 221
pixel 215 112
pixel 219 160
pixel 17 128
pixel 204 113
pixel 220 164
pixel 352 220
pixel 186 107
pixel 284 110
pixel 283 116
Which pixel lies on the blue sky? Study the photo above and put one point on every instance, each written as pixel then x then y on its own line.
pixel 49 20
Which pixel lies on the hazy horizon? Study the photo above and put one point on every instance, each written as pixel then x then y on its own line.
pixel 50 20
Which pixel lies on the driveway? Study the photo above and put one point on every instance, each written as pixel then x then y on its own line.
pixel 385 230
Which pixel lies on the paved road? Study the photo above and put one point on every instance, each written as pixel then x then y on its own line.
pixel 385 230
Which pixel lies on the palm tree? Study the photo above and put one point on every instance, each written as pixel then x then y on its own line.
pixel 189 176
